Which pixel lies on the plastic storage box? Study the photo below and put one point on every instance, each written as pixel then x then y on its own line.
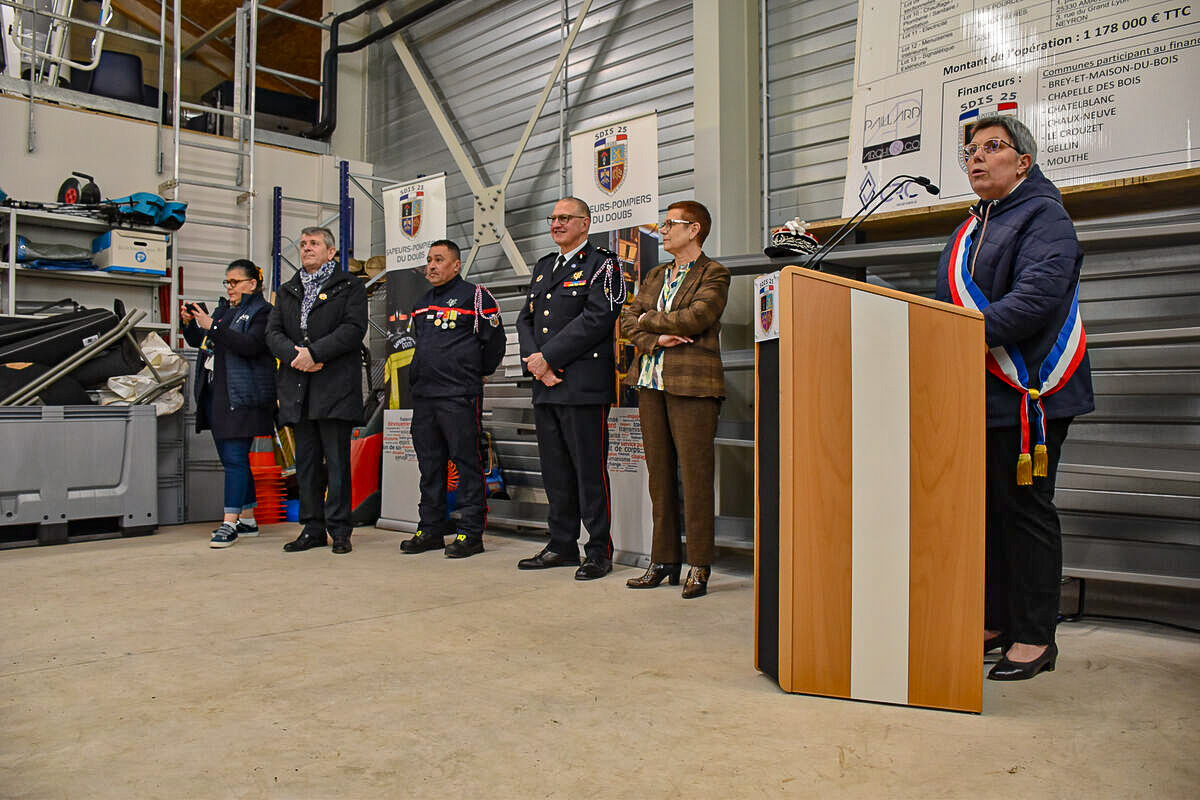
pixel 77 472
pixel 131 251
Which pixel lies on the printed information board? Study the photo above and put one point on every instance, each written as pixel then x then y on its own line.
pixel 1108 87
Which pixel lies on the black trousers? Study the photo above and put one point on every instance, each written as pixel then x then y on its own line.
pixel 573 447
pixel 447 429
pixel 323 462
pixel 1024 540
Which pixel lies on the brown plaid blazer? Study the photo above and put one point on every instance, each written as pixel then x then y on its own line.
pixel 692 370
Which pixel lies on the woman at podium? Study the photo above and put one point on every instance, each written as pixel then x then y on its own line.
pixel 1017 259
pixel 674 322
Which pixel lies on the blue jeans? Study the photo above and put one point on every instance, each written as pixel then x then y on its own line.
pixel 239 482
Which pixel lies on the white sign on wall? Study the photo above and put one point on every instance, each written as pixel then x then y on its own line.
pixel 614 170
pixel 414 216
pixel 1108 88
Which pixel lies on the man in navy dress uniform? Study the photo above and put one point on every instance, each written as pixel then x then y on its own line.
pixel 566 330
pixel 459 340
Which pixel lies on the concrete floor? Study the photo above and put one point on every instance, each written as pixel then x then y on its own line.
pixel 157 668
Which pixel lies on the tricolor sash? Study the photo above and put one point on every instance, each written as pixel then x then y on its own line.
pixel 1007 363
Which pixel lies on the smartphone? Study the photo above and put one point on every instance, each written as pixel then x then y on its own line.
pixel 194 307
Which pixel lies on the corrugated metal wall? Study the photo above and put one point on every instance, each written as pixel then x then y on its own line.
pixel 489 63
pixel 810 68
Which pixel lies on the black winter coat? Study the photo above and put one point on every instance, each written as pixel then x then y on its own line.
pixel 451 358
pixel 1027 261
pixel 337 324
pixel 571 320
pixel 236 399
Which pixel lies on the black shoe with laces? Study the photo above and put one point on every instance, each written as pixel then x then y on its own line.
pixel 423 541
pixel 305 541
pixel 464 545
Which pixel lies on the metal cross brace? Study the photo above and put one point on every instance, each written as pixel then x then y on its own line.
pixel 489 200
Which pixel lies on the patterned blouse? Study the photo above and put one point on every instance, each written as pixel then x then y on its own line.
pixel 650 373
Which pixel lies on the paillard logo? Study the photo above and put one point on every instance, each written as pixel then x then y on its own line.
pixel 610 161
pixel 410 213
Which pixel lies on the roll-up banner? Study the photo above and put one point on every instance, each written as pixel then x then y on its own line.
pixel 414 216
pixel 1108 88
pixel 614 169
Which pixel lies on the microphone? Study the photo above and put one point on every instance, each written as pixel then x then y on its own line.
pixel 878 199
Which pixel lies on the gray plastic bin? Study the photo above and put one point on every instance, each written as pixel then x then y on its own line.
pixel 77 470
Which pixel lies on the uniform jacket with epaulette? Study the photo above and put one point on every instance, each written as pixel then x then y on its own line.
pixel 459 340
pixel 569 315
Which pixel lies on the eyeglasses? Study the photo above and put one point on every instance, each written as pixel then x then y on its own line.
pixel 563 219
pixel 667 223
pixel 990 147
pixel 228 284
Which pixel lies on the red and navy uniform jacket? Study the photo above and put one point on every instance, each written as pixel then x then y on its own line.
pixel 460 339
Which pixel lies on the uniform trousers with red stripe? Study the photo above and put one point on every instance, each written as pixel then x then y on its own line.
pixel 1024 540
pixel 447 429
pixel 573 447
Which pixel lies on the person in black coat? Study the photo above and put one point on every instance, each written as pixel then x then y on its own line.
pixel 566 329
pixel 1017 260
pixel 459 340
pixel 316 331
pixel 234 387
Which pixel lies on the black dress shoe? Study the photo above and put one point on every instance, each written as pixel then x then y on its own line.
pixel 305 541
pixel 548 558
pixel 1006 670
pixel 696 584
pixel 464 545
pixel 655 574
pixel 341 545
pixel 424 540
pixel 593 568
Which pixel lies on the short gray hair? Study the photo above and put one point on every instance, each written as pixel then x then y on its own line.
pixel 581 205
pixel 1022 139
pixel 314 230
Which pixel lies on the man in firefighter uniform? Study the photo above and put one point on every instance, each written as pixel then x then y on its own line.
pixel 459 340
pixel 566 329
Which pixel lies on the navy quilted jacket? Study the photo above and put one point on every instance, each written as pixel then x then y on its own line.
pixel 1027 261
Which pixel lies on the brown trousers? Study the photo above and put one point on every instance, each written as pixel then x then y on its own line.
pixel 677 434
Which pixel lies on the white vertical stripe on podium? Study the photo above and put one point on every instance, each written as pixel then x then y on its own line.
pixel 880 505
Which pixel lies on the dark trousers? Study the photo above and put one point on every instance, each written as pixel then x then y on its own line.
pixel 323 462
pixel 573 447
pixel 447 429
pixel 677 436
pixel 239 481
pixel 1024 540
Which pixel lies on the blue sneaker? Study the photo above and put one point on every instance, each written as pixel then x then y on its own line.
pixel 223 536
pixel 246 529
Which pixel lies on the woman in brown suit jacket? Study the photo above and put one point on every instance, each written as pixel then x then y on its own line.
pixel 674 322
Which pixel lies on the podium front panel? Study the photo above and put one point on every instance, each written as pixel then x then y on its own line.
pixel 880 532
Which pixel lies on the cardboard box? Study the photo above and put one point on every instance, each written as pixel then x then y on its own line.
pixel 131 251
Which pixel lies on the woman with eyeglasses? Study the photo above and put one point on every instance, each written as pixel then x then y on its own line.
pixel 674 322
pixel 1017 260
pixel 234 387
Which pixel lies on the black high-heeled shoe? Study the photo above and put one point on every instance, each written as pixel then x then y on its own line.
pixel 655 573
pixel 696 584
pixel 1006 670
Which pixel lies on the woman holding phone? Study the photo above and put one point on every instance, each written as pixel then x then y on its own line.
pixel 234 387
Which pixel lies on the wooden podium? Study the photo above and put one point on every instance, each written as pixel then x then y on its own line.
pixel 869 481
